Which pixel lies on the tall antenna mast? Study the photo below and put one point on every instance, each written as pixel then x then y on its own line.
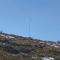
pixel 29 26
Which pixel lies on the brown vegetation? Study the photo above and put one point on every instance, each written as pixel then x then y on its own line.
pixel 22 48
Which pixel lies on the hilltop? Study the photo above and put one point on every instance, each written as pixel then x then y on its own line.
pixel 14 47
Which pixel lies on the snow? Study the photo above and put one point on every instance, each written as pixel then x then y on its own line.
pixel 4 43
pixel 54 45
pixel 42 42
pixel 47 58
pixel 34 57
pixel 7 36
pixel 2 35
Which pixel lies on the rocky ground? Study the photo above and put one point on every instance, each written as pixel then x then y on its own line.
pixel 14 47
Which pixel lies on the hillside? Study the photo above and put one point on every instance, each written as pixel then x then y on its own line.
pixel 14 47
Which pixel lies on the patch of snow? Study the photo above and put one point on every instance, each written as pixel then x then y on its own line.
pixel 34 57
pixel 47 58
pixel 2 35
pixel 4 43
pixel 41 42
pixel 7 36
pixel 54 45
pixel 48 44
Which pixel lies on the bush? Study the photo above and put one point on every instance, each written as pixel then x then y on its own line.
pixel 11 50
pixel 57 58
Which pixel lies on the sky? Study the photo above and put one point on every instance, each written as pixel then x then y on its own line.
pixel 35 18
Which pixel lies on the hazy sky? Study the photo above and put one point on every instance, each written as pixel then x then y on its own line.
pixel 44 16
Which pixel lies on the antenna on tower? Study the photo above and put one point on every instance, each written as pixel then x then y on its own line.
pixel 29 26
